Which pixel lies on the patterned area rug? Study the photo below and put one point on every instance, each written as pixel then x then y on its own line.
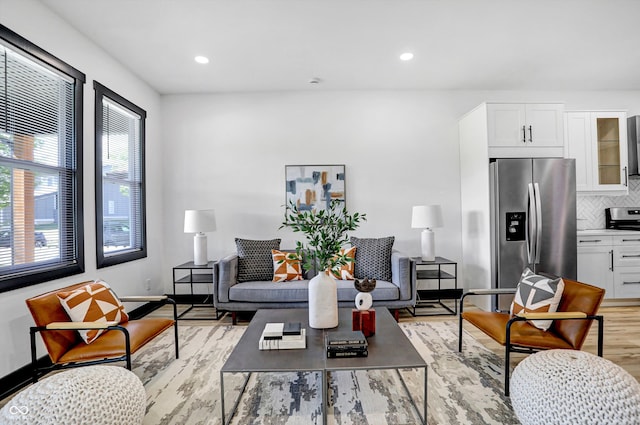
pixel 462 388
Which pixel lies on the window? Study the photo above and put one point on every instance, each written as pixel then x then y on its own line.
pixel 40 165
pixel 120 203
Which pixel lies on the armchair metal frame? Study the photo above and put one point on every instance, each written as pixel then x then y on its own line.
pixel 107 326
pixel 521 348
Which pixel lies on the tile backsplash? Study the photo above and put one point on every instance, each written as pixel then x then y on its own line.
pixel 590 208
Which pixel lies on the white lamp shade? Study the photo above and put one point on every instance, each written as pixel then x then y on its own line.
pixel 426 217
pixel 196 221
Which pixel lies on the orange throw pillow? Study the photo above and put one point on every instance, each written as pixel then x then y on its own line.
pixel 346 271
pixel 94 302
pixel 287 266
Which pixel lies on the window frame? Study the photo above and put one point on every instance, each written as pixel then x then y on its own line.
pixel 124 256
pixel 17 277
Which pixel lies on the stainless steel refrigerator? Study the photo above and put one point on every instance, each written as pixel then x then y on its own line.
pixel 533 220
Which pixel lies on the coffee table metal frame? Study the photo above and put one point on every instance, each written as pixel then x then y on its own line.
pixel 389 348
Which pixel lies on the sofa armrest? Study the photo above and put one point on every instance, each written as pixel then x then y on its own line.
pixel 227 277
pixel 401 274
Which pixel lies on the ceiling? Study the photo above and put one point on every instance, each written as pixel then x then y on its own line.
pixel 264 45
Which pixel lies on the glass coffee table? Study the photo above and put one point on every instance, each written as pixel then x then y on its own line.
pixel 389 348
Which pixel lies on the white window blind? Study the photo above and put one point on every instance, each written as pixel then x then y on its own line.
pixel 39 208
pixel 120 211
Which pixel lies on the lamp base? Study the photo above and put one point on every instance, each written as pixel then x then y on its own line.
pixel 428 245
pixel 200 249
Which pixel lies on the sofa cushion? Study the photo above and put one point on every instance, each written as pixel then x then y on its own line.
pixel 287 266
pixel 537 294
pixel 385 291
pixel 254 259
pixel 346 271
pixel 297 291
pixel 94 302
pixel 373 257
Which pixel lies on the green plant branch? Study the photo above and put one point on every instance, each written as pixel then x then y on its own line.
pixel 325 232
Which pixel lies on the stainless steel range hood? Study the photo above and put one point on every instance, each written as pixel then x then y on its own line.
pixel 633 138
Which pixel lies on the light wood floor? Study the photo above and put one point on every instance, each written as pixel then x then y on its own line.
pixel 621 333
pixel 621 337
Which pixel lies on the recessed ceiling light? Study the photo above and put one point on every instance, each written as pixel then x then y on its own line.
pixel 201 59
pixel 407 56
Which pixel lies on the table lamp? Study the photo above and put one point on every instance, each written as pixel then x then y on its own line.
pixel 427 217
pixel 198 222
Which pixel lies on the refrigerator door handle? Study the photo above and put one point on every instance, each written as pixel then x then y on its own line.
pixel 538 222
pixel 530 228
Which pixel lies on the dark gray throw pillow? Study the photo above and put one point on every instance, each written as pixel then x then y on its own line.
pixel 373 257
pixel 254 259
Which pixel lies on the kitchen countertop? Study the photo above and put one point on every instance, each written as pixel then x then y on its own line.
pixel 607 232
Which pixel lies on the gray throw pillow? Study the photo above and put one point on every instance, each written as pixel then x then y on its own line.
pixel 373 257
pixel 254 259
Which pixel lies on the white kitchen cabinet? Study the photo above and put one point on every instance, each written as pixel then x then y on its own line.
pixel 626 254
pixel 525 129
pixel 627 282
pixel 595 262
pixel 598 142
pixel 611 262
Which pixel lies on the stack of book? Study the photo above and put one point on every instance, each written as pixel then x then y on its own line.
pixel 283 336
pixel 346 344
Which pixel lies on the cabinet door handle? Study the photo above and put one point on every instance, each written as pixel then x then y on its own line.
pixel 631 283
pixel 631 256
pixel 631 240
pixel 524 135
pixel 611 254
pixel 590 241
pixel 626 177
pixel 530 134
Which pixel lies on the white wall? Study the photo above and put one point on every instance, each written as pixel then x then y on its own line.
pixel 229 152
pixel 37 24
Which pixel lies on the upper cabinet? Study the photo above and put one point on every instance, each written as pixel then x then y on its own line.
pixel 598 142
pixel 525 129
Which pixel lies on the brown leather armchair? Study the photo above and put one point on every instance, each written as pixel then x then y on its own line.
pixel 66 348
pixel 571 323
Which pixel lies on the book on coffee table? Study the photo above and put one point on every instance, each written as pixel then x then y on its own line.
pixel 283 336
pixel 355 352
pixel 346 344
pixel 345 338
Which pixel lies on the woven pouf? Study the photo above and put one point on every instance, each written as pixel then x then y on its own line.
pixel 573 387
pixel 91 395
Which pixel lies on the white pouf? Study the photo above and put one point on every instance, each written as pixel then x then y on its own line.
pixel 94 395
pixel 573 387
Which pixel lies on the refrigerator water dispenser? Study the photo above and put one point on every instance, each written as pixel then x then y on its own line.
pixel 515 222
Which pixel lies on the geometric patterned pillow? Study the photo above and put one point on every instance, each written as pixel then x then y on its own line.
pixel 373 258
pixel 537 294
pixel 287 266
pixel 94 302
pixel 254 259
pixel 346 271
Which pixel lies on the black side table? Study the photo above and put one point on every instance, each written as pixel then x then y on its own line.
pixel 190 274
pixel 441 278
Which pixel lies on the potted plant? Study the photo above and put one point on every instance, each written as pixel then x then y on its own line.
pixel 325 232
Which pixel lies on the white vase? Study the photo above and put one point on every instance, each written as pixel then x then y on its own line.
pixel 323 302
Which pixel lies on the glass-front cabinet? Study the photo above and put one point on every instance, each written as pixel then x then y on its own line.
pixel 598 142
pixel 608 141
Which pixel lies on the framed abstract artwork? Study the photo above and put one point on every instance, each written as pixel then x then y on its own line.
pixel 313 187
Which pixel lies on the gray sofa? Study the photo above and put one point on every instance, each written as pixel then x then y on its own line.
pixel 233 296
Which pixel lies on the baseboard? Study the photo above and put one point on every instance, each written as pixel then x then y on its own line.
pixel 20 378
